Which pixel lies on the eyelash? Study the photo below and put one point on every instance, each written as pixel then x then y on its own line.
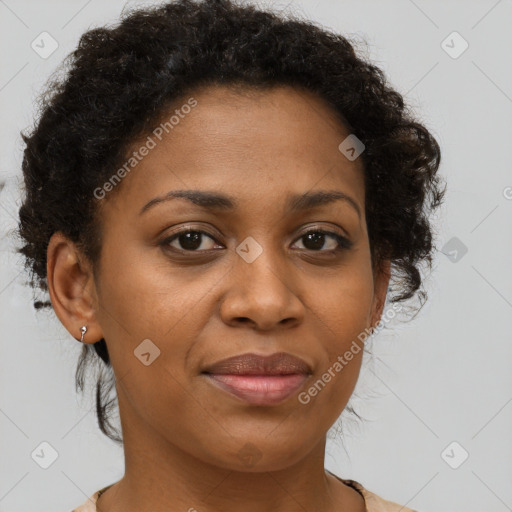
pixel 344 243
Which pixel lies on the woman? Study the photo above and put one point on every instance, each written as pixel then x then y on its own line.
pixel 216 200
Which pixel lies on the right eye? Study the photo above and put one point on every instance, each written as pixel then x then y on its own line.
pixel 189 240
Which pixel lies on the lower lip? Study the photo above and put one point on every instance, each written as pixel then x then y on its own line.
pixel 259 389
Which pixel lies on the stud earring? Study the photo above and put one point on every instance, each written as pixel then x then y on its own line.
pixel 83 329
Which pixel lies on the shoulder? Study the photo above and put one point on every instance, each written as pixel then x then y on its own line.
pixel 375 503
pixel 90 503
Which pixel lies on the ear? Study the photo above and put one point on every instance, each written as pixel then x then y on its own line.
pixel 381 281
pixel 72 289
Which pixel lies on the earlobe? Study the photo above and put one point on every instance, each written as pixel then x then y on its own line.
pixel 71 288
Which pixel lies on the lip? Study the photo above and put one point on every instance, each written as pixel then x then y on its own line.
pixel 279 363
pixel 259 380
pixel 260 389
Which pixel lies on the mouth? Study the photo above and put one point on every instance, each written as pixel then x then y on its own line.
pixel 259 380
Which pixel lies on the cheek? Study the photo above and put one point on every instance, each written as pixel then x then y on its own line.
pixel 143 298
pixel 342 314
pixel 142 294
pixel 343 305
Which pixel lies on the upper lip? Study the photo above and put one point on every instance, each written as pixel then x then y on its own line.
pixel 280 363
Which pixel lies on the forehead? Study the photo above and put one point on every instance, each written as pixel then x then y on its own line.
pixel 246 142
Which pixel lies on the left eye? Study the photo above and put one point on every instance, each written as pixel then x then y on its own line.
pixel 316 238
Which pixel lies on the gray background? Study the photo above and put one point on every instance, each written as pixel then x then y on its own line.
pixel 443 377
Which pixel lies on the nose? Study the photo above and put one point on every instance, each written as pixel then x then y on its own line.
pixel 262 295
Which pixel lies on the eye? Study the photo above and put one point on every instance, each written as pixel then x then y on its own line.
pixel 190 241
pixel 194 240
pixel 315 239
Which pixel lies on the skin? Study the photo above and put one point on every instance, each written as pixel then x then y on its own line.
pixel 183 437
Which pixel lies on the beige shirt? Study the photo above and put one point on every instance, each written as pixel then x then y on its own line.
pixel 373 502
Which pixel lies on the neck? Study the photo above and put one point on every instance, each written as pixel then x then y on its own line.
pixel 159 475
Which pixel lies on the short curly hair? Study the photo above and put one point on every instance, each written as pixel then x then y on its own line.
pixel 122 79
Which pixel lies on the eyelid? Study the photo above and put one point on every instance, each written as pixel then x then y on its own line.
pixel 197 228
pixel 331 230
pixel 190 227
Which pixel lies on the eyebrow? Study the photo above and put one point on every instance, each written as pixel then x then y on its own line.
pixel 222 202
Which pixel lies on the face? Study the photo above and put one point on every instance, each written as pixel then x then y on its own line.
pixel 182 283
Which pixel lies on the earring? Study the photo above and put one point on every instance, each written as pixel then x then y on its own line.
pixel 83 329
